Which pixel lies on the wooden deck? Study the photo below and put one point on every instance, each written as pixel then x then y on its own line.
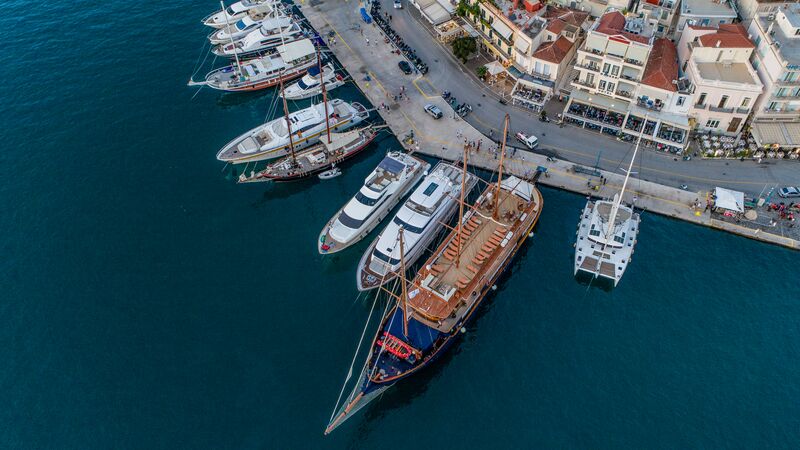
pixel 448 285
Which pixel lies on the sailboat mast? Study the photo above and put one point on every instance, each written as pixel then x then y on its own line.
pixel 288 122
pixel 461 205
pixel 500 169
pixel 612 216
pixel 324 96
pixel 403 287
pixel 230 34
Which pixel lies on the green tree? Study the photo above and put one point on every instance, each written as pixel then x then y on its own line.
pixel 482 71
pixel 463 47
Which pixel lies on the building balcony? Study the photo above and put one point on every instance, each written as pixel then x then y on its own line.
pixel 788 83
pixel 628 77
pixel 634 62
pixel 592 67
pixel 699 106
pixel 624 94
pixel 649 104
pixel 743 110
pixel 583 83
pixel 718 109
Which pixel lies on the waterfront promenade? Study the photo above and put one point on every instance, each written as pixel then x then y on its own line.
pixel 370 60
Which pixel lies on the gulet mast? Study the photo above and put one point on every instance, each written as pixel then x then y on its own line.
pixel 461 205
pixel 288 122
pixel 324 96
pixel 403 287
pixel 500 169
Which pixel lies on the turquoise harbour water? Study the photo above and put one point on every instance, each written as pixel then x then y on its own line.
pixel 150 302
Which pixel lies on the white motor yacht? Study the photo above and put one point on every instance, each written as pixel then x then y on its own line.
pixel 236 11
pixel 421 217
pixel 238 29
pixel 395 175
pixel 271 140
pixel 272 33
pixel 310 85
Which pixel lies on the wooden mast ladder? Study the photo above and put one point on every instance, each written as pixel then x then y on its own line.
pixel 403 287
pixel 230 34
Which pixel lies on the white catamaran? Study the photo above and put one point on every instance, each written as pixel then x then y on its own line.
pixel 607 233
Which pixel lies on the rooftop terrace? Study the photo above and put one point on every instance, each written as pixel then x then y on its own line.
pixel 787 46
pixel 708 8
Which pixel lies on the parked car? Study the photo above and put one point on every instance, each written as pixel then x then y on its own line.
pixel 789 192
pixel 433 111
pixel 405 67
pixel 530 141
pixel 397 4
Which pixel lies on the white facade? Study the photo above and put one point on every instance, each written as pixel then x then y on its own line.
pixel 704 13
pixel 726 86
pixel 777 60
pixel 749 9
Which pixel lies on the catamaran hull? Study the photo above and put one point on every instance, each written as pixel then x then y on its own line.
pixel 372 386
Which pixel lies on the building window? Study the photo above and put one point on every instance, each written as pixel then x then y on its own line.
pixel 615 70
pixel 722 101
pixel 702 99
pixel 681 100
pixel 712 123
pixel 797 32
pixel 606 68
pixel 602 85
pixel 746 102
pixel 757 41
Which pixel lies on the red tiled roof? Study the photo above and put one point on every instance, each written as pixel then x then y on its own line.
pixel 555 26
pixel 569 16
pixel 613 24
pixel 728 36
pixel 554 51
pixel 662 66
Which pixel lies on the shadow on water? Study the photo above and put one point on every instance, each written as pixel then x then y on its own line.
pixel 603 284
pixel 230 100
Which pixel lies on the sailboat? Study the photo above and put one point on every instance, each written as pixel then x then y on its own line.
pixel 607 233
pixel 429 313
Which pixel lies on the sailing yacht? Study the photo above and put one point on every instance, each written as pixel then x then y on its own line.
pixel 445 293
pixel 289 62
pixel 310 84
pixel 272 33
pixel 395 175
pixel 607 233
pixel 421 218
pixel 272 139
pixel 237 11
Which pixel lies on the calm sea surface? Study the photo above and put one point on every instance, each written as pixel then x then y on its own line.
pixel 150 302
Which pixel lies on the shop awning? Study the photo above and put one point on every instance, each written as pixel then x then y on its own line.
pixel 501 28
pixel 783 134
pixel 494 68
pixel 436 14
pixel 296 50
pixel 728 199
pixel 601 101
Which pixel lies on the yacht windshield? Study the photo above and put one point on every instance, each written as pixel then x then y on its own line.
pixel 279 128
pixel 386 258
pixel 240 25
pixel 364 200
pixel 304 86
pixel 349 222
pixel 407 227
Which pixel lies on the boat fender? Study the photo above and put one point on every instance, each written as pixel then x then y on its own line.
pixel 463 330
pixel 530 234
pixel 494 287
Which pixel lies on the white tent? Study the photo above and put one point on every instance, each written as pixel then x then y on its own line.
pixel 728 199
pixel 494 68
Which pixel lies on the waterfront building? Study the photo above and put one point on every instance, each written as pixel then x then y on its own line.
pixel 662 15
pixel 726 87
pixel 595 8
pixel 749 9
pixel 704 13
pixel 624 76
pixel 535 43
pixel 776 116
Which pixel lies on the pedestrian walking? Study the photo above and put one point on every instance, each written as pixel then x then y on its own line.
pixel 367 39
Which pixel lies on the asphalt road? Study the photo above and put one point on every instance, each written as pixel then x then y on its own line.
pixel 569 142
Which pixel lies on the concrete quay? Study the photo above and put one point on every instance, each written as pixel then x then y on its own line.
pixel 369 58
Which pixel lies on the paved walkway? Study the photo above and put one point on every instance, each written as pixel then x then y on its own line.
pixel 371 62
